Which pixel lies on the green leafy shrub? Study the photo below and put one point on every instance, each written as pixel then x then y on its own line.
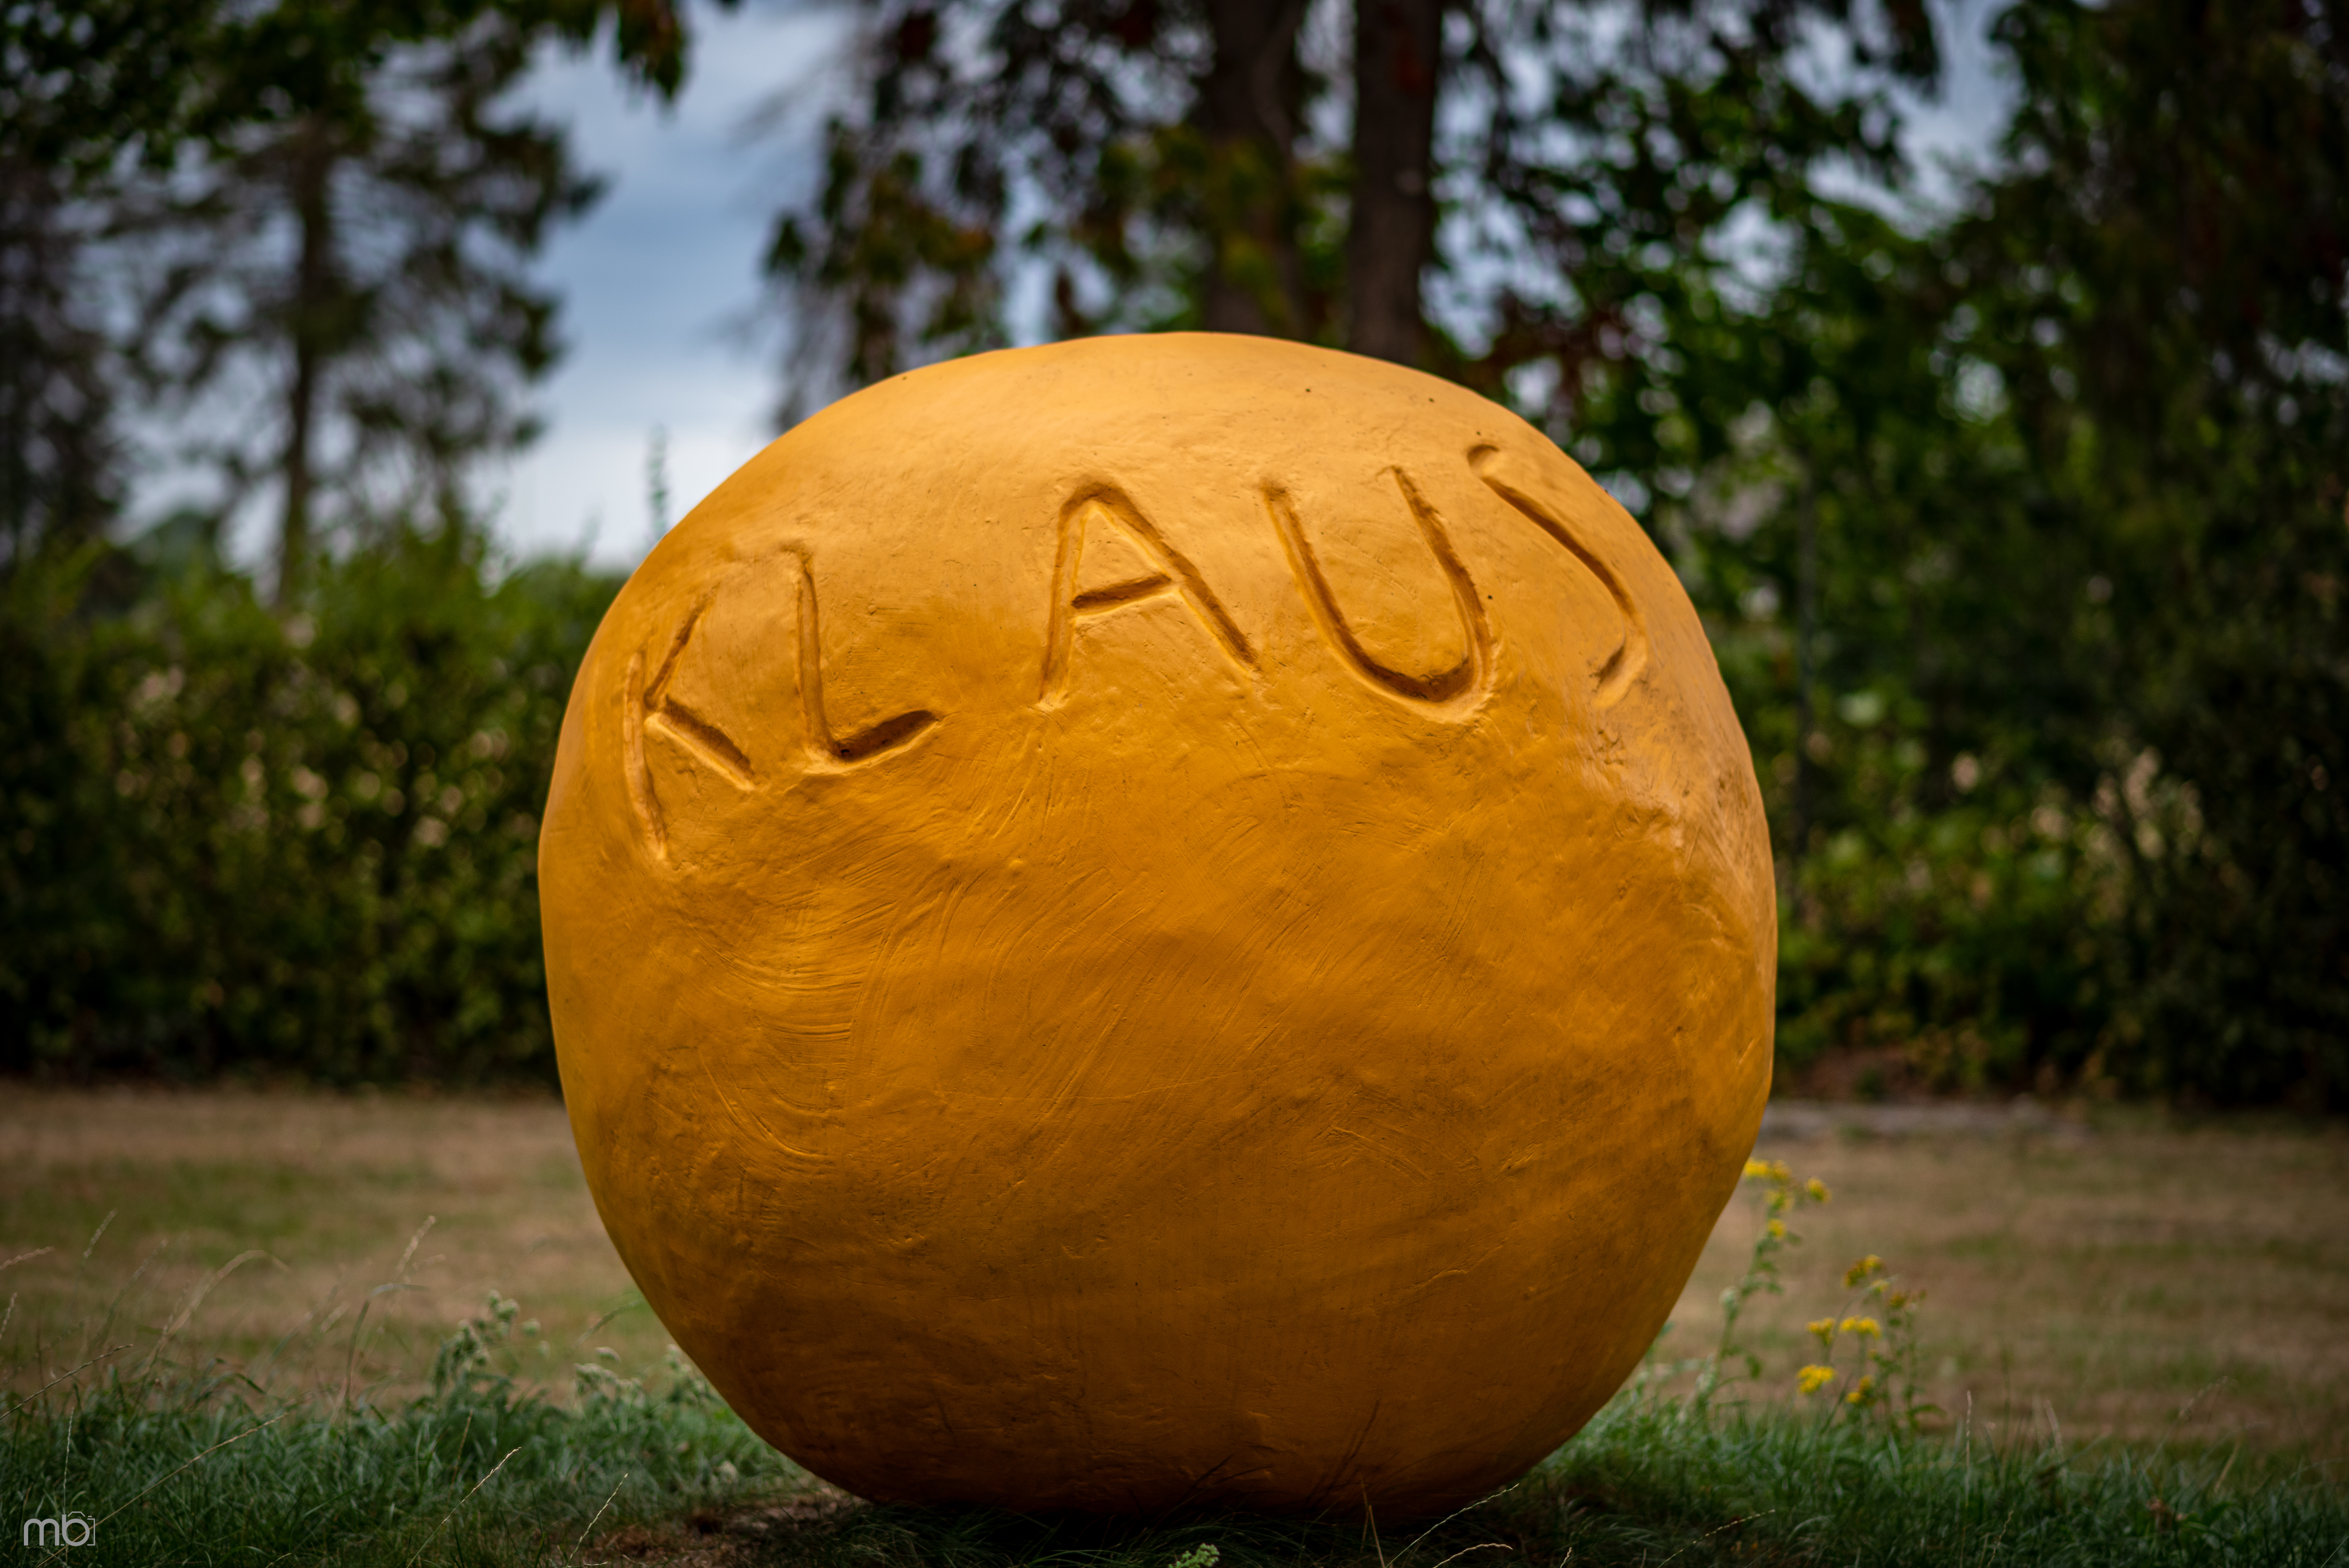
pixel 299 844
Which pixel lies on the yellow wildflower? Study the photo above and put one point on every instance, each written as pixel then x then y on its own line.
pixel 1777 1229
pixel 1860 1391
pixel 1861 1270
pixel 1768 1170
pixel 1811 1379
pixel 1817 1189
pixel 1824 1328
pixel 1867 1325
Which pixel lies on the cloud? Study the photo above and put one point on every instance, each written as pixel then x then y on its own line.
pixel 661 283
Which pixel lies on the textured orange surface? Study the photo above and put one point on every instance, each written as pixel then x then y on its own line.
pixel 1159 921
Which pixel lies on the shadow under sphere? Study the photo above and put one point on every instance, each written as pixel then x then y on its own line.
pixel 1159 922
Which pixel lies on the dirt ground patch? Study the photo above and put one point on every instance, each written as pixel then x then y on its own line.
pixel 2126 1274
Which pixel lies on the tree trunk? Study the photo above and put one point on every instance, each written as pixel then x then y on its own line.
pixel 1250 106
pixel 21 287
pixel 311 326
pixel 1398 54
pixel 57 455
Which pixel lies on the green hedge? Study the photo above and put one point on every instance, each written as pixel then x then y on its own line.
pixel 298 845
pixel 240 842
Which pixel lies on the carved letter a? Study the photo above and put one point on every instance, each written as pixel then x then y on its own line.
pixel 1103 505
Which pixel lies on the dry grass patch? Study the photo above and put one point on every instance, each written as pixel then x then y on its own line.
pixel 2127 1275
pixel 332 1190
pixel 2101 1278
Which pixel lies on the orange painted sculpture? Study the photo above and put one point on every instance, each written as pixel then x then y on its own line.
pixel 1159 922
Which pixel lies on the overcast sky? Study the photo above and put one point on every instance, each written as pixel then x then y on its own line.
pixel 661 283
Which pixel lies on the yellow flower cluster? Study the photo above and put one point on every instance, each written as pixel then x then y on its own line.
pixel 1783 1195
pixel 1867 1325
pixel 1861 1270
pixel 1860 1391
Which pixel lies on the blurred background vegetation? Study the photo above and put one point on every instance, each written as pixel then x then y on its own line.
pixel 2012 495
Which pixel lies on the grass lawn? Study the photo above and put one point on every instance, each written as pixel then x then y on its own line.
pixel 2139 1332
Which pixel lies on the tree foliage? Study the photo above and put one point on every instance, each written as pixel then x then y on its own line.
pixel 322 209
pixel 340 289
pixel 81 88
pixel 2055 787
pixel 1164 164
pixel 2167 266
pixel 2017 519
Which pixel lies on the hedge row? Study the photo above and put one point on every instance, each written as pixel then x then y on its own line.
pixel 293 845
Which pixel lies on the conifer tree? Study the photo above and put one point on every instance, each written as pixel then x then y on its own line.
pixel 343 298
pixel 85 91
pixel 327 207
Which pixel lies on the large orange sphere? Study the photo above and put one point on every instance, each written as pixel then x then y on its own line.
pixel 1159 922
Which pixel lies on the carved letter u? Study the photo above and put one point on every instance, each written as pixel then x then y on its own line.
pixel 1458 689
